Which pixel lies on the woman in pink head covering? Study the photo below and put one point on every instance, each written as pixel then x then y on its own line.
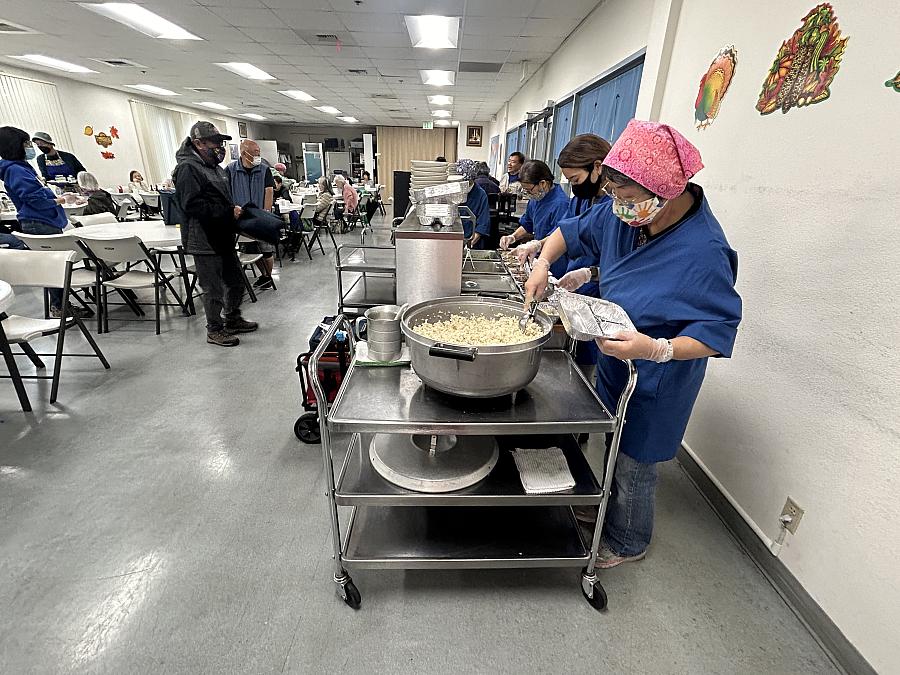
pixel 660 254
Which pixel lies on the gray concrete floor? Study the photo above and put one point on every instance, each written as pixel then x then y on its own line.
pixel 162 518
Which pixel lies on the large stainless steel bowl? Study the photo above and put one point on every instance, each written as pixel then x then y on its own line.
pixel 474 372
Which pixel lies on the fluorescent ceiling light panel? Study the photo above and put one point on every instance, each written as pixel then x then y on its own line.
pixel 438 78
pixel 440 99
pixel 328 109
pixel 253 116
pixel 298 95
pixel 348 118
pixel 442 123
pixel 150 89
pixel 441 113
pixel 50 62
pixel 140 19
pixel 247 70
pixel 211 105
pixel 433 32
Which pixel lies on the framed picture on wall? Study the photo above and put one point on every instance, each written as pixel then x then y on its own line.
pixel 242 129
pixel 473 137
pixel 233 149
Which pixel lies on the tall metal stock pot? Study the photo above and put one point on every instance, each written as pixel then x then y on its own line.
pixel 473 372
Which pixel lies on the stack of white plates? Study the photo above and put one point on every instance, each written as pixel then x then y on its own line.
pixel 425 174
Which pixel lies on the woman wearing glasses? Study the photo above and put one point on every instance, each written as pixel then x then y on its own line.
pixel 661 255
pixel 547 205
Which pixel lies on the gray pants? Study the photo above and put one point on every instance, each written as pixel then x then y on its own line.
pixel 222 281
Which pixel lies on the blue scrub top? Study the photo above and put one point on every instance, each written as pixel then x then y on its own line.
pixel 542 217
pixel 477 201
pixel 680 283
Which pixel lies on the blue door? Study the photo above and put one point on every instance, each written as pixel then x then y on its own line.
pixel 562 129
pixel 512 142
pixel 606 108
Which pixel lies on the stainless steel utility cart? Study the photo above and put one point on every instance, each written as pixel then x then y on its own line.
pixel 371 276
pixel 490 524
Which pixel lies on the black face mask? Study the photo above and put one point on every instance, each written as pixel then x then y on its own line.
pixel 587 189
pixel 46 149
pixel 213 155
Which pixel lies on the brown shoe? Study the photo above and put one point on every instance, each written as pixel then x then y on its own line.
pixel 240 326
pixel 223 339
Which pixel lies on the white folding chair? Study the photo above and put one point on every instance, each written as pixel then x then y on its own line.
pixel 82 277
pixel 39 269
pixel 109 252
pixel 150 203
pixel 95 219
pixel 248 260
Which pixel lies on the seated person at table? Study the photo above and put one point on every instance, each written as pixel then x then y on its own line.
pixel 99 200
pixel 136 183
pixel 351 199
pixel 326 198
pixel 281 190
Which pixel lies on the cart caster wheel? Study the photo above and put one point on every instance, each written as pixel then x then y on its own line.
pixel 351 595
pixel 597 599
pixel 306 428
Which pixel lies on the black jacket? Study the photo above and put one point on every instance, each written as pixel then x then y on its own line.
pixel 67 157
pixel 100 202
pixel 203 194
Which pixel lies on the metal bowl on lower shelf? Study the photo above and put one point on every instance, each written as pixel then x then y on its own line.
pixel 472 372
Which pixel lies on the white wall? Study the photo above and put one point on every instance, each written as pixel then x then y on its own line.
pixel 615 30
pixel 808 405
pixel 463 151
pixel 85 104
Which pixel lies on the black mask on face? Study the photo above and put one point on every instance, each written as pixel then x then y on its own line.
pixel 587 188
pixel 46 149
pixel 214 155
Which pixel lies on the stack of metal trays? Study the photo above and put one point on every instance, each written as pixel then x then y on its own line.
pixel 587 318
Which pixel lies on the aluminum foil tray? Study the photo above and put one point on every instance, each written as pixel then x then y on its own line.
pixel 586 318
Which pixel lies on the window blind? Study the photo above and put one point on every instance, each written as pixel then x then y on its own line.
pixel 32 105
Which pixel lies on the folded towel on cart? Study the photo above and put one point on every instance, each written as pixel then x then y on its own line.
pixel 543 470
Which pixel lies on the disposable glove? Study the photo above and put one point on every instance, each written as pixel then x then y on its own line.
pixel 506 241
pixel 634 345
pixel 575 279
pixel 528 251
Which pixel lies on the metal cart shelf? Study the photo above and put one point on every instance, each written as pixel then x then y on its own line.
pixel 493 523
pixel 374 280
pixel 381 537
pixel 359 484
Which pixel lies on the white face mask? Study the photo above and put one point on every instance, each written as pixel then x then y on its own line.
pixel 257 160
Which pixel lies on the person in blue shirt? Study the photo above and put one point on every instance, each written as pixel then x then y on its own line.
pixel 547 205
pixel 664 258
pixel 477 202
pixel 39 210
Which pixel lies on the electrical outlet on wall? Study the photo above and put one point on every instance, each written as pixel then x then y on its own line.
pixel 791 515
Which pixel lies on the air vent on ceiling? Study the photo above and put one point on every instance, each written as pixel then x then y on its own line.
pixel 479 67
pixel 330 38
pixel 384 96
pixel 10 28
pixel 120 63
pixel 358 71
pixel 199 90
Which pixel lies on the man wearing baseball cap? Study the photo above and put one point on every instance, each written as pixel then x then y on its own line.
pixel 53 163
pixel 209 231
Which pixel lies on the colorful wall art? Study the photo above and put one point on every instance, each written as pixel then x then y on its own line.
pixel 103 139
pixel 895 83
pixel 805 65
pixel 713 86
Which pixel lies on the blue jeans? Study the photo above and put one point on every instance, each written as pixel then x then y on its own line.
pixel 34 227
pixel 629 514
pixel 11 241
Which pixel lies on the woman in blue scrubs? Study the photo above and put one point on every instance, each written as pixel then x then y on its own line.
pixel 547 205
pixel 664 258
